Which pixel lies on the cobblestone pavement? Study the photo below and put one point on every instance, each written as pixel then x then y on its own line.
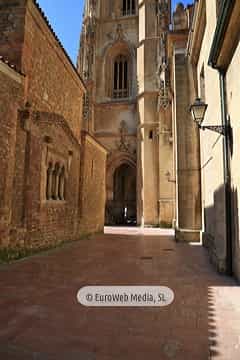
pixel 40 318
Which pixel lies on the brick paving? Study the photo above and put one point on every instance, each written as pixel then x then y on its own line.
pixel 40 318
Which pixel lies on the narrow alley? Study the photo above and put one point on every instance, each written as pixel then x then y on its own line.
pixel 41 318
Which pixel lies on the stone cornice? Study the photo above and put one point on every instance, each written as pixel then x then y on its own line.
pixel 88 137
pixel 226 36
pixel 148 93
pixel 43 119
pixel 10 70
pixel 114 103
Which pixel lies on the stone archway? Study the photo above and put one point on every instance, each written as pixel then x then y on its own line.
pixel 121 205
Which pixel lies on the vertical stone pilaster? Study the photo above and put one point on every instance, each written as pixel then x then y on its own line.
pixel 188 222
pixel 150 19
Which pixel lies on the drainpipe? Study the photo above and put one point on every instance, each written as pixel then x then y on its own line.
pixel 227 171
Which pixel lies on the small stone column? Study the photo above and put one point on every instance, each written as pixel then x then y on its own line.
pixel 62 184
pixel 49 182
pixel 57 180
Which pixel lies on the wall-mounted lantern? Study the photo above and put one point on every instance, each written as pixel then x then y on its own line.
pixel 198 110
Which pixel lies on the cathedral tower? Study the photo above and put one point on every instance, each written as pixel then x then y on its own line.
pixel 123 61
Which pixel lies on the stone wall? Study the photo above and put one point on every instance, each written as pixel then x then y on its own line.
pixel 28 41
pixel 212 163
pixel 42 139
pixel 12 20
pixel 93 189
pixel 187 172
pixel 49 72
pixel 11 93
pixel 232 91
pixel 187 158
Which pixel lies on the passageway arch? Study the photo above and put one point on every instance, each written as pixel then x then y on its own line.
pixel 121 208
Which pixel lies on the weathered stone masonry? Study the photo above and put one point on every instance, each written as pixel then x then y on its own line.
pixel 40 191
pixel 11 94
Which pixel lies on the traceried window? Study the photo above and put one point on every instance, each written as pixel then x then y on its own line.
pixel 129 7
pixel 121 77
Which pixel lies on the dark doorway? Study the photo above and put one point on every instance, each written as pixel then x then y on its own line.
pixel 121 210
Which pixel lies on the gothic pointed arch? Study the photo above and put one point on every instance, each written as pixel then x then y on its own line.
pixel 121 189
pixel 119 69
pixel 115 160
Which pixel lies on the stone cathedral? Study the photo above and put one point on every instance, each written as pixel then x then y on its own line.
pixel 132 59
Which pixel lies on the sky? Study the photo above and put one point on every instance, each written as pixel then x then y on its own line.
pixel 65 16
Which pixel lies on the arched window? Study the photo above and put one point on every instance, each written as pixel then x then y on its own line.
pixel 129 7
pixel 121 77
pixel 55 181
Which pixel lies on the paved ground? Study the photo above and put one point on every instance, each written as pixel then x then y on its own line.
pixel 40 318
